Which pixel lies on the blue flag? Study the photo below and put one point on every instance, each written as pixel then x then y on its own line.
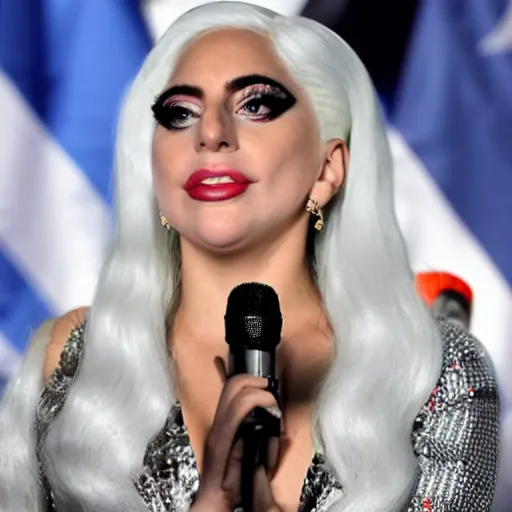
pixel 64 67
pixel 453 109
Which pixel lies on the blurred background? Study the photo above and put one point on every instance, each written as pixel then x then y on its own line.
pixel 443 71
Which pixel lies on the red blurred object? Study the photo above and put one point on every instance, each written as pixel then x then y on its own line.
pixel 431 285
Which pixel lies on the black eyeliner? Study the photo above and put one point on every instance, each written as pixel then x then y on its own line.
pixel 184 90
pixel 237 84
pixel 280 100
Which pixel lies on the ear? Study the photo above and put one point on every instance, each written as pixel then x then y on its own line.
pixel 333 172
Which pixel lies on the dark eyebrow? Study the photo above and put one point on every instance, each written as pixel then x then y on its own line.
pixel 242 82
pixel 232 86
pixel 183 90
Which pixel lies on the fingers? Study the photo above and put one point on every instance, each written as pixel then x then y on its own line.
pixel 232 477
pixel 273 455
pixel 223 432
pixel 263 499
pixel 222 470
pixel 241 394
pixel 234 387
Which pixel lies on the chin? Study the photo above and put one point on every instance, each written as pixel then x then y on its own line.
pixel 220 239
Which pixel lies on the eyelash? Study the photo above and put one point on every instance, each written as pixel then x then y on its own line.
pixel 167 110
pixel 272 97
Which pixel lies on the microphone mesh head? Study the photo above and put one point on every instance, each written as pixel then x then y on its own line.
pixel 253 317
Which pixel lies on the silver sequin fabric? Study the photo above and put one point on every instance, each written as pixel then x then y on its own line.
pixel 455 438
pixel 171 478
pixel 456 434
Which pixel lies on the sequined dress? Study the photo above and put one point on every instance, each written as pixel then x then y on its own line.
pixel 455 438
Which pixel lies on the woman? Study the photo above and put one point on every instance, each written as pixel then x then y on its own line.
pixel 264 128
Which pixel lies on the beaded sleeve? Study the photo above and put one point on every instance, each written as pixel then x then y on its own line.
pixel 456 434
pixel 53 398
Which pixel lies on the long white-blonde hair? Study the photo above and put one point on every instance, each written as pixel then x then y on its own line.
pixel 387 347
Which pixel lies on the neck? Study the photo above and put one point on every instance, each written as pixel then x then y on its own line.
pixel 207 280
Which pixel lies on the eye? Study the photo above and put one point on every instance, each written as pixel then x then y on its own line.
pixel 262 103
pixel 257 107
pixel 176 114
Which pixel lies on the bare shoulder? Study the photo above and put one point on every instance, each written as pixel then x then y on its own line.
pixel 60 333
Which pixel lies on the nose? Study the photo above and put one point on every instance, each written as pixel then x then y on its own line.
pixel 217 131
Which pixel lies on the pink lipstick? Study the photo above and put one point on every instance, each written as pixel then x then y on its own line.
pixel 218 185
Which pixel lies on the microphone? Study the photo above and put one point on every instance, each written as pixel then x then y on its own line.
pixel 253 324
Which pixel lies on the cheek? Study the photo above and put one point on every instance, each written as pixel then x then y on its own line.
pixel 295 159
pixel 307 144
pixel 170 161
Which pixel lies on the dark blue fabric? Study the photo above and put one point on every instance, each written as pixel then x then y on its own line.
pixel 454 107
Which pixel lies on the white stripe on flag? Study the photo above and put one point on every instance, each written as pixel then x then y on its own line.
pixel 500 39
pixel 159 14
pixel 9 358
pixel 53 225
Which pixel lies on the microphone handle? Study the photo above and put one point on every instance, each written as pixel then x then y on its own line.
pixel 259 425
pixel 255 430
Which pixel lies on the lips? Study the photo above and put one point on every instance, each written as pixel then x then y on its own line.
pixel 218 185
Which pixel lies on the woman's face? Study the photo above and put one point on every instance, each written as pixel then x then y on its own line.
pixel 236 150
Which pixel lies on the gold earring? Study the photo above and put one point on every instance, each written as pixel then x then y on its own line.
pixel 313 208
pixel 164 222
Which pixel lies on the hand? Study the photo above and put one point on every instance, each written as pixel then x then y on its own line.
pixel 219 489
pixel 263 499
